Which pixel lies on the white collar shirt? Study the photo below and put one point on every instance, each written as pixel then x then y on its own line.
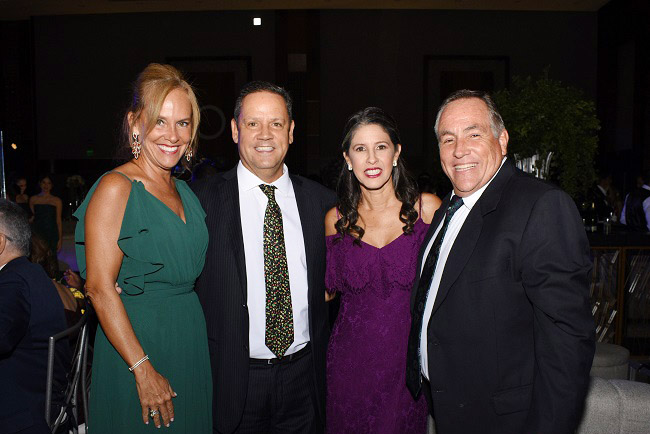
pixel 252 206
pixel 455 225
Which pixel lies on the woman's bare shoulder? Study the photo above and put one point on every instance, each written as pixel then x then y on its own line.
pixel 331 218
pixel 111 193
pixel 430 203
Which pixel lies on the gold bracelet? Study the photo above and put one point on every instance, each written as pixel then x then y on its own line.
pixel 139 362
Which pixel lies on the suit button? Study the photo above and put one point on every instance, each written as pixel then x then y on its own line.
pixel 421 307
pixel 246 347
pixel 461 405
pixel 416 364
pixel 244 306
pixel 435 343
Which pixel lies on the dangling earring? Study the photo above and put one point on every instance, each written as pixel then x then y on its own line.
pixel 350 167
pixel 136 146
pixel 188 154
pixel 395 163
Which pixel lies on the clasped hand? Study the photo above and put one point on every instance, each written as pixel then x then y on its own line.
pixel 155 394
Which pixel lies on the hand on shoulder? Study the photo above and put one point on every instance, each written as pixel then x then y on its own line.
pixel 430 204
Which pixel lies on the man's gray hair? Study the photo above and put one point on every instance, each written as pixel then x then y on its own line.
pixel 496 122
pixel 14 224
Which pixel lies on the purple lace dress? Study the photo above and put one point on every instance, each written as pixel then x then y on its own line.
pixel 366 359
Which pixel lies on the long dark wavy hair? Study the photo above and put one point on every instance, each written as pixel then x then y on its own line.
pixel 349 189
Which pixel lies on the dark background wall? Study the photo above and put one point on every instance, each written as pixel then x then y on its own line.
pixel 84 66
pixel 377 58
pixel 624 90
pixel 65 79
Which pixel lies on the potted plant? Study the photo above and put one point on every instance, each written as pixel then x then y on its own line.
pixel 552 122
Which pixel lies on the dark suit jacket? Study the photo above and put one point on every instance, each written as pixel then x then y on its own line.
pixel 30 312
pixel 223 294
pixel 511 337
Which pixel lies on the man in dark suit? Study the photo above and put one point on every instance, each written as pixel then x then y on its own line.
pixel 502 337
pixel 262 287
pixel 600 196
pixel 30 312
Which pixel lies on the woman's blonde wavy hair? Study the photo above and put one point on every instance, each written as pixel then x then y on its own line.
pixel 151 88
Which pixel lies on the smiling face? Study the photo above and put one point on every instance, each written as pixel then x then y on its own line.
pixel 263 134
pixel 371 155
pixel 469 152
pixel 165 144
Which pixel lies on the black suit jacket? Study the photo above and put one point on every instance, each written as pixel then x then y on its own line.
pixel 223 293
pixel 511 338
pixel 30 312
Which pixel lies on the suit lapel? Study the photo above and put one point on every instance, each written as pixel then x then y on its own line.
pixel 435 222
pixel 459 254
pixel 470 232
pixel 232 223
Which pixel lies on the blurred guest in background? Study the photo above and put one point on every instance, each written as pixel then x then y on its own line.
pixel 373 239
pixel 46 209
pixel 73 279
pixel 42 255
pixel 30 312
pixel 20 195
pixel 204 169
pixel 600 195
pixel 636 210
pixel 143 228
pixel 425 183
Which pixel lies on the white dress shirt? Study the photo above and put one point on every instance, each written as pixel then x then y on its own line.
pixel 252 206
pixel 453 229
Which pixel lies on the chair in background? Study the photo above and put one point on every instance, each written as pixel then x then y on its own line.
pixel 610 362
pixel 616 406
pixel 76 389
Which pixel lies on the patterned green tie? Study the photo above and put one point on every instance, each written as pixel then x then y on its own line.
pixel 279 314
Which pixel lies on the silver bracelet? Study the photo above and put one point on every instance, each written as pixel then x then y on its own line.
pixel 139 362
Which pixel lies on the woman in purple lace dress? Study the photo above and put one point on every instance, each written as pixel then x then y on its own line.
pixel 374 236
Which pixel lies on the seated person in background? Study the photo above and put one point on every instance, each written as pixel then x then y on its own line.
pixel 30 312
pixel 74 280
pixel 636 210
pixel 42 255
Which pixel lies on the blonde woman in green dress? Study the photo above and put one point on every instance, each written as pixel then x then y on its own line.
pixel 145 230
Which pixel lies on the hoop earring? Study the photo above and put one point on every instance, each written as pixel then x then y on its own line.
pixel 136 146
pixel 188 154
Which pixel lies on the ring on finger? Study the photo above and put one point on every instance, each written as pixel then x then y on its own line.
pixel 152 412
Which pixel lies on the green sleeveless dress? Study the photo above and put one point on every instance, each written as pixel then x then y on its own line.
pixel 162 258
